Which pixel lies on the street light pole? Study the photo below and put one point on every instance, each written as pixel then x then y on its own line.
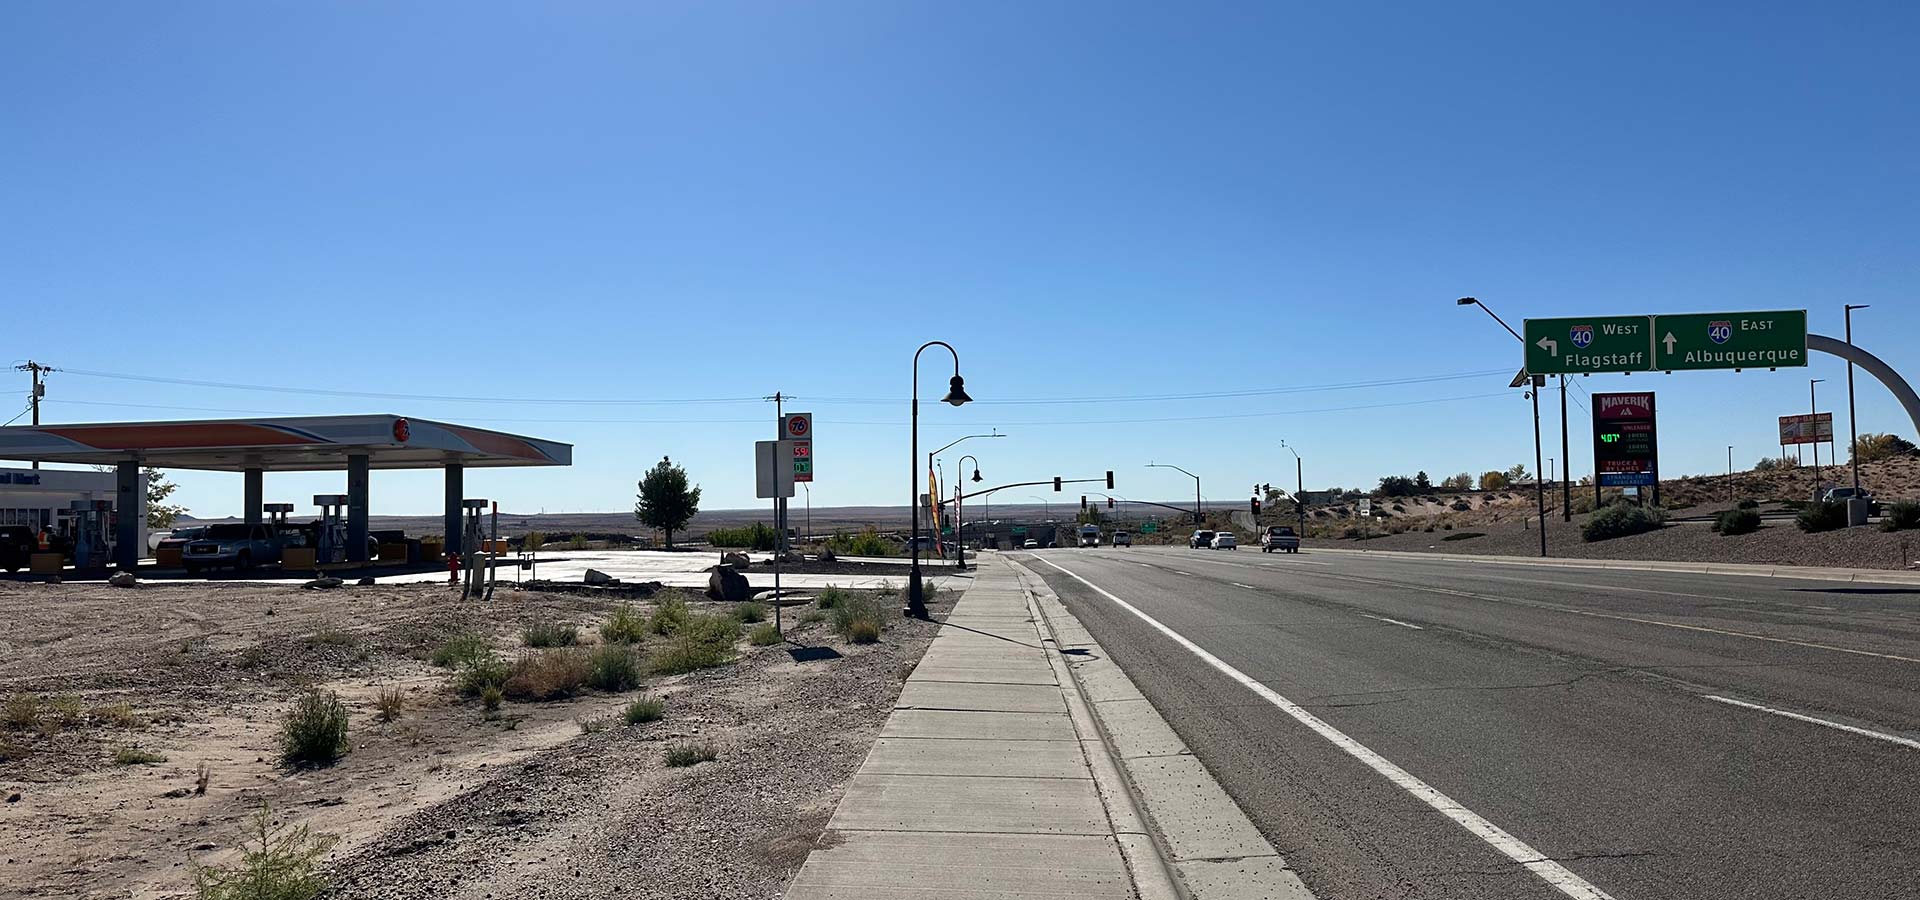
pixel 959 512
pixel 1199 515
pixel 1046 506
pixel 1729 473
pixel 1299 487
pixel 1813 406
pixel 1536 382
pixel 1853 427
pixel 956 395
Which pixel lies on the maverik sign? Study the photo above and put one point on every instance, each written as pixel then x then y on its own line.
pixel 1626 446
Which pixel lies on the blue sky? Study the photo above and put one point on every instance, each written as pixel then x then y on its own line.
pixel 716 200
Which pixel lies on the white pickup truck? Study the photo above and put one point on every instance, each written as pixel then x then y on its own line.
pixel 1279 537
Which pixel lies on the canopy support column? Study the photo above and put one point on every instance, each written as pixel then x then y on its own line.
pixel 357 468
pixel 255 492
pixel 131 511
pixel 455 525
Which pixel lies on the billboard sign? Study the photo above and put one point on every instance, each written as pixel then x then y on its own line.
pixel 1806 429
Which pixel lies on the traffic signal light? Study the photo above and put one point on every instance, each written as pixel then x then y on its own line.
pixel 1056 482
pixel 1083 503
pixel 1256 505
pixel 1109 502
pixel 1109 479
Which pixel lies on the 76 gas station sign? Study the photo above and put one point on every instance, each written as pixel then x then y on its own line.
pixel 798 428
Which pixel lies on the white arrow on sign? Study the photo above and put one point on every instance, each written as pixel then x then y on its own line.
pixel 1550 345
pixel 1669 341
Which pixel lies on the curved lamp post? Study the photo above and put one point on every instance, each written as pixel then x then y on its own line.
pixel 956 395
pixel 959 512
pixel 1199 516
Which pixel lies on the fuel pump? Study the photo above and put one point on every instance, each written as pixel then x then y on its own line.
pixel 91 544
pixel 471 541
pixel 277 515
pixel 330 545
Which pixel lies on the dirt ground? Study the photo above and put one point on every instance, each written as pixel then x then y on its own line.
pixel 446 801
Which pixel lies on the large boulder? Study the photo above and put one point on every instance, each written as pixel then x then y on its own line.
pixel 728 585
pixel 826 555
pixel 595 576
pixel 123 580
pixel 736 560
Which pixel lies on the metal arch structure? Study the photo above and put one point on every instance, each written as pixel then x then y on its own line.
pixel 1876 367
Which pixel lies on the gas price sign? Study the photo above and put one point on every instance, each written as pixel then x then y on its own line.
pixel 1626 446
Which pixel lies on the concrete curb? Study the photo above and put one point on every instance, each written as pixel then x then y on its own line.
pixel 1806 573
pixel 1201 846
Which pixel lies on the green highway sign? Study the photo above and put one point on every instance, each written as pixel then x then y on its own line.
pixel 1592 344
pixel 1737 340
pixel 1148 527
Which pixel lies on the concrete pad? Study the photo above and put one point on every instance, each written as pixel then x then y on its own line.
pixel 1103 681
pixel 991 697
pixel 966 803
pixel 869 865
pixel 982 674
pixel 1196 817
pixel 1138 730
pixel 1252 878
pixel 984 658
pixel 985 756
pixel 954 723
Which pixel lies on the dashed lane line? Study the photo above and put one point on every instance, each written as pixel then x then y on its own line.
pixel 1393 621
pixel 1802 717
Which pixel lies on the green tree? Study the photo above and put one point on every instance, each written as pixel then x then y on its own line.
pixel 1421 483
pixel 1518 473
pixel 665 500
pixel 1460 482
pixel 160 513
pixel 1876 447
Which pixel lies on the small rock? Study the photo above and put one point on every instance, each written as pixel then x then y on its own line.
pixel 326 583
pixel 827 556
pixel 13 797
pixel 365 582
pixel 123 580
pixel 595 576
pixel 179 792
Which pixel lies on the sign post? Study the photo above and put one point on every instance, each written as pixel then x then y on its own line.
pixel 773 480
pixel 1626 445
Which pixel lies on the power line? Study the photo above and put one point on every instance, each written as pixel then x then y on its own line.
pixel 1208 395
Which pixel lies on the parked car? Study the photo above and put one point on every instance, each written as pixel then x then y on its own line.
pixel 239 546
pixel 17 543
pixel 1031 544
pixel 1279 537
pixel 1122 539
pixel 1843 494
pixel 1224 540
pixel 179 538
pixel 1200 539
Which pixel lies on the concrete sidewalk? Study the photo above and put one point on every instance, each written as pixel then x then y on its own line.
pixel 980 784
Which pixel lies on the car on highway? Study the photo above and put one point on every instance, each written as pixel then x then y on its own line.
pixel 17 543
pixel 1279 537
pixel 1122 539
pixel 239 546
pixel 1031 544
pixel 1200 539
pixel 1224 540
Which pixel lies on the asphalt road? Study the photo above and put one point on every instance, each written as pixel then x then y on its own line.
pixel 1563 712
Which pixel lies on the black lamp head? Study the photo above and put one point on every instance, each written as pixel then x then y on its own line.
pixel 957 391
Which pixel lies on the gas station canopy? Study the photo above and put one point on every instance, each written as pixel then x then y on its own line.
pixel 300 444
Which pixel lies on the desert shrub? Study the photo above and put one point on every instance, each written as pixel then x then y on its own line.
pixel 1446 526
pixel 117 715
pixel 315 730
pixel 866 543
pixel 550 634
pixel 331 637
pixel 1822 517
pixel 1773 463
pixel 1622 519
pixel 1877 447
pixel 134 756
pixel 750 612
pixel 389 702
pixel 682 755
pixel 645 709
pixel 830 598
pixel 758 536
pixel 765 635
pixel 613 667
pixel 702 643
pixel 1737 521
pixel 1747 504
pixel 858 619
pixel 491 697
pixel 625 626
pixel 276 863
pixel 593 725
pixel 812 616
pixel 460 648
pixel 1902 515
pixel 670 616
pixel 1351 531
pixel 478 673
pixel 548 675
pixel 1464 536
pixel 533 541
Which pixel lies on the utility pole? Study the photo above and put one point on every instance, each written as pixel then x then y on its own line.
pixel 1853 426
pixel 38 372
pixel 1729 473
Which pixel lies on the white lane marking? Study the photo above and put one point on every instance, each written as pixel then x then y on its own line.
pixel 1863 732
pixel 1239 585
pixel 1178 572
pixel 1600 615
pixel 1394 621
pixel 1553 873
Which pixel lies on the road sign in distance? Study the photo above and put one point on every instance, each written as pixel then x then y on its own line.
pixel 1735 340
pixel 1592 344
pixel 773 469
